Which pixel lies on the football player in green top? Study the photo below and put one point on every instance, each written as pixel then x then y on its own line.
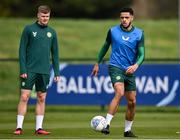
pixel 127 54
pixel 38 43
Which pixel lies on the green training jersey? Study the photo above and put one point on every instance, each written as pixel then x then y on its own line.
pixel 38 44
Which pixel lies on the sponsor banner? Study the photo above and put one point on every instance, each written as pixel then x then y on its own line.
pixel 157 84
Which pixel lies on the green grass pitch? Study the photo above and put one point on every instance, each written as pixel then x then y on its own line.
pixel 74 123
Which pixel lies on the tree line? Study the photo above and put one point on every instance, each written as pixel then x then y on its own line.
pixel 89 8
pixel 64 8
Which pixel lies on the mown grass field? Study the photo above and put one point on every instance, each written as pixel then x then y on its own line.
pixel 73 122
pixel 81 39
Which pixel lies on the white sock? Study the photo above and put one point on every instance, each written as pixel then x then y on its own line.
pixel 39 121
pixel 20 119
pixel 108 119
pixel 128 125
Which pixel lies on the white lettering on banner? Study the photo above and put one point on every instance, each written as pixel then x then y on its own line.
pixel 108 85
pixel 84 85
pixel 82 90
pixel 148 85
pixel 89 85
pixel 97 85
pixel 71 86
pixel 164 85
pixel 140 82
pixel 61 85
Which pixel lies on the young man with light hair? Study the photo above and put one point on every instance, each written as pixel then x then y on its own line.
pixel 38 43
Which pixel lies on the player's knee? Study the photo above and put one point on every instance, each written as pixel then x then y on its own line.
pixel 119 93
pixel 24 98
pixel 118 96
pixel 41 98
pixel 132 102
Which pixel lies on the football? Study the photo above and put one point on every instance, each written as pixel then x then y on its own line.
pixel 98 123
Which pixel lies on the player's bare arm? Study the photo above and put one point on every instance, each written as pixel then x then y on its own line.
pixel 95 70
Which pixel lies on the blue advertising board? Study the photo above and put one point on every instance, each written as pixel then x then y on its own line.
pixel 157 84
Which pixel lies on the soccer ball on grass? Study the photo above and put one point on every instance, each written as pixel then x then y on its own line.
pixel 98 123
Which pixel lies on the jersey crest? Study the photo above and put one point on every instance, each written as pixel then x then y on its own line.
pixel 34 34
pixel 125 38
pixel 49 34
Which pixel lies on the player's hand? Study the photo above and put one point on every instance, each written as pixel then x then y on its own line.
pixel 24 75
pixel 132 69
pixel 95 70
pixel 56 78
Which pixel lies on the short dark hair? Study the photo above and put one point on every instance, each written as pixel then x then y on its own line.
pixel 44 9
pixel 127 9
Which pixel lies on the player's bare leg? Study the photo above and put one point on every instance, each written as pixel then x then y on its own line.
pixel 119 92
pixel 22 109
pixel 40 106
pixel 22 106
pixel 113 107
pixel 40 111
pixel 130 113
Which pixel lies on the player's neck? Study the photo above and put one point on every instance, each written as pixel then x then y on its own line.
pixel 128 29
pixel 40 24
